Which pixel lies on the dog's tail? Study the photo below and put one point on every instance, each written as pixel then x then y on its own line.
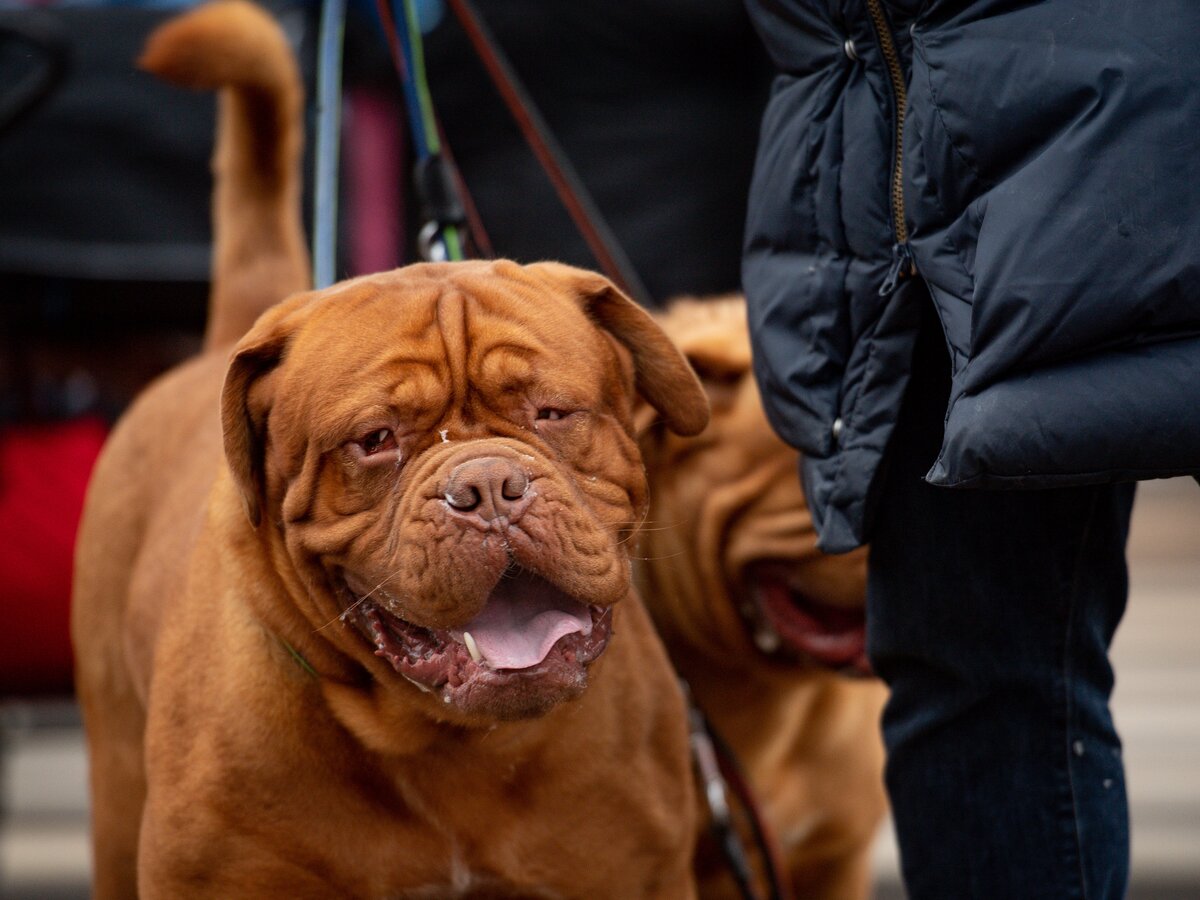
pixel 259 254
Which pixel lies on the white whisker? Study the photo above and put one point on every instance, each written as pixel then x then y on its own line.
pixel 358 602
pixel 654 558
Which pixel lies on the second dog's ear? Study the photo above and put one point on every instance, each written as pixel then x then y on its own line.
pixel 717 358
pixel 713 334
pixel 247 396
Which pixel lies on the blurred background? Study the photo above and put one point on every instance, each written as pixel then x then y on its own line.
pixel 104 250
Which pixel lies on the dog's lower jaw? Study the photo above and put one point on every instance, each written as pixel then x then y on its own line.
pixel 449 667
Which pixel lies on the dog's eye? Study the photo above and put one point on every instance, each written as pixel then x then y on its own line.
pixel 378 441
pixel 550 415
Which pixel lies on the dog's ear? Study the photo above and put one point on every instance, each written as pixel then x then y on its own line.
pixel 720 368
pixel 662 374
pixel 711 333
pixel 246 399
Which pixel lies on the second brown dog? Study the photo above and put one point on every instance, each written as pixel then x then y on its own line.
pixel 756 619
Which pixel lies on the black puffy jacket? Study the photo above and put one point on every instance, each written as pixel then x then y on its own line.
pixel 1032 166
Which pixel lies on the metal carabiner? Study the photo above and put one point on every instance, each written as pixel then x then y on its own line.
pixel 430 244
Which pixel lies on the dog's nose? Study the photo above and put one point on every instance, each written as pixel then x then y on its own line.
pixel 487 486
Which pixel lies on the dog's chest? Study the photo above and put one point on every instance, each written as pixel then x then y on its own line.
pixel 471 849
pixel 462 882
pixel 477 889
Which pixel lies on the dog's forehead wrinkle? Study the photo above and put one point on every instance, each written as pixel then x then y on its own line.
pixel 400 392
pixel 531 334
pixel 371 342
pixel 451 314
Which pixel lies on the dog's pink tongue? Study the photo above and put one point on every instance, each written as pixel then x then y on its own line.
pixel 523 619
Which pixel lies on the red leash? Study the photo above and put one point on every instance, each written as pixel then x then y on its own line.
pixel 571 192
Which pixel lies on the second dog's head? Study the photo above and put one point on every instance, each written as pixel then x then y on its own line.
pixel 733 571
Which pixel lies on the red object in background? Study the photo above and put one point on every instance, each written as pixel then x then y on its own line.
pixel 44 471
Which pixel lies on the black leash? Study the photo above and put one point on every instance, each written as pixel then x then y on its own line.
pixel 720 776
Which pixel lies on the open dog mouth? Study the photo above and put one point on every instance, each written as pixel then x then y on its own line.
pixel 785 620
pixel 530 638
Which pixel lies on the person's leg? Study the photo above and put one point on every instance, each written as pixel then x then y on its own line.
pixel 990 614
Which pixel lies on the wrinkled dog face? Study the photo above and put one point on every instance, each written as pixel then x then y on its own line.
pixel 448 452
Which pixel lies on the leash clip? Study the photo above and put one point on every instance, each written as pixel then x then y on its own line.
pixel 716 795
pixel 715 790
pixel 441 206
pixel 430 243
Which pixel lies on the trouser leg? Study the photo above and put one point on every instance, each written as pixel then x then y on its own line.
pixel 990 616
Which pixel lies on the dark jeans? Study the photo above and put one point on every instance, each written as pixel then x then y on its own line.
pixel 990 614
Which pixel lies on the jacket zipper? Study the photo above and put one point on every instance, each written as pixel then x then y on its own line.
pixel 902 261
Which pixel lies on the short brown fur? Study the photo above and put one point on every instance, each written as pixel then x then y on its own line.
pixel 245 740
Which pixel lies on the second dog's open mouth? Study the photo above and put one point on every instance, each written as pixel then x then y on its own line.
pixel 530 636
pixel 785 619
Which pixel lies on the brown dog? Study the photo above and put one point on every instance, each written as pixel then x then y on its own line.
pixel 754 617
pixel 371 631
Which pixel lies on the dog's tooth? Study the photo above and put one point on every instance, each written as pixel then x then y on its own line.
pixel 767 640
pixel 472 647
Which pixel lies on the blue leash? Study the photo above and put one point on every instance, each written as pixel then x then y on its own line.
pixel 439 238
pixel 442 208
pixel 329 120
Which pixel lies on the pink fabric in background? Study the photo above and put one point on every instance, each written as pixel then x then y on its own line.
pixel 372 173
